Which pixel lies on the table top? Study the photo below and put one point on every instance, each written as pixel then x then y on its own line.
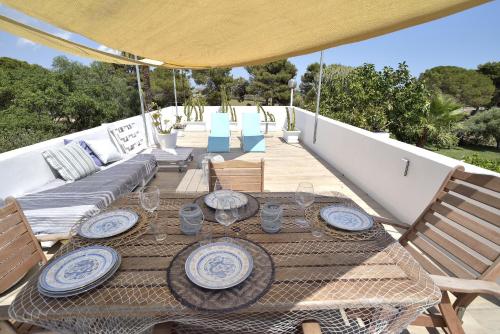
pixel 310 273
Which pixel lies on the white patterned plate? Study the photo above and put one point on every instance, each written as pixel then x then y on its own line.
pixel 346 218
pixel 108 224
pixel 78 269
pixel 240 199
pixel 219 265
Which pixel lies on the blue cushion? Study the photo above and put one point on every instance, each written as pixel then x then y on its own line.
pixel 87 149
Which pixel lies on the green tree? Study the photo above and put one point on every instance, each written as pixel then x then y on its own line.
pixel 212 81
pixel 308 82
pixel 466 86
pixel 270 81
pixel 239 88
pixel 492 70
pixel 162 85
pixel 440 125
pixel 484 126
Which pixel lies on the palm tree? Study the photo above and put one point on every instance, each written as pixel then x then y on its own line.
pixel 441 121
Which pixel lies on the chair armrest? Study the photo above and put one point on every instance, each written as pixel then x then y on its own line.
pixel 388 221
pixel 466 285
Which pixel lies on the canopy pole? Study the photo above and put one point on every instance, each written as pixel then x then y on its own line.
pixel 318 96
pixel 141 98
pixel 175 95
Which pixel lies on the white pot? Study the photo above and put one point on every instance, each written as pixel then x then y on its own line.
pixel 385 135
pixel 180 132
pixel 233 126
pixel 195 126
pixel 291 137
pixel 168 141
pixel 267 126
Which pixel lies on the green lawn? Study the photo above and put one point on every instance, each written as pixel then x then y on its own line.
pixel 459 152
pixel 483 156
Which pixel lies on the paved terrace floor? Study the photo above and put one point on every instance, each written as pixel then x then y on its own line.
pixel 285 166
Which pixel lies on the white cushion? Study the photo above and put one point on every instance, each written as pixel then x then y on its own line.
pixel 70 161
pixel 105 150
pixel 127 138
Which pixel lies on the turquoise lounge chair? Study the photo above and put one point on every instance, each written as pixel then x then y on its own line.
pixel 218 140
pixel 252 139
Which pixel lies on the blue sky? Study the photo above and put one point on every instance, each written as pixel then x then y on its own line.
pixel 465 39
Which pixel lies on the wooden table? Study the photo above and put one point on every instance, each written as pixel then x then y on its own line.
pixel 354 286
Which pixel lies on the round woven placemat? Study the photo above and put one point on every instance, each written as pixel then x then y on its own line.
pixel 227 300
pixel 132 234
pixel 245 212
pixel 313 216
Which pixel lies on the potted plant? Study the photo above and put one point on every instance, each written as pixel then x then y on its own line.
pixel 291 133
pixel 195 105
pixel 178 127
pixel 268 118
pixel 164 135
pixel 227 108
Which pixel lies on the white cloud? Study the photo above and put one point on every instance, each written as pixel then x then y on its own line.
pixel 108 49
pixel 63 34
pixel 25 42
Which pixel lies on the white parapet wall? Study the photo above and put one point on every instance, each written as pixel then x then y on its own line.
pixel 375 164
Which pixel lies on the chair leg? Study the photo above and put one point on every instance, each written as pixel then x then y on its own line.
pixel 311 327
pixel 463 300
pixel 450 316
pixel 5 327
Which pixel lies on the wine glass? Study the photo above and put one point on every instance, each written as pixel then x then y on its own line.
pixel 226 213
pixel 304 196
pixel 150 201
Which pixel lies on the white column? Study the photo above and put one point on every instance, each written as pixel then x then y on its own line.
pixel 142 102
pixel 318 95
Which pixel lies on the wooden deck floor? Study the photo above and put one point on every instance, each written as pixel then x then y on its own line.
pixel 285 166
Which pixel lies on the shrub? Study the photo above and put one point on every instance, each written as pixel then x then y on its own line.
pixel 490 164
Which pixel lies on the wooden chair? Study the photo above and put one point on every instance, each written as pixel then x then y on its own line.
pixel 237 175
pixel 19 253
pixel 457 241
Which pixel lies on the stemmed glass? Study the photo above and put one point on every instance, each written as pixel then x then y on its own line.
pixel 226 213
pixel 304 196
pixel 150 201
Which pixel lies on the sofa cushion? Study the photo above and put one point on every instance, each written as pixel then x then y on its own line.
pixel 70 161
pixel 105 150
pixel 128 138
pixel 56 210
pixel 87 149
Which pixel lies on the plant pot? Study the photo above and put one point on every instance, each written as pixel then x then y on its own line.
pixel 195 126
pixel 291 137
pixel 266 126
pixel 385 135
pixel 180 132
pixel 233 126
pixel 167 141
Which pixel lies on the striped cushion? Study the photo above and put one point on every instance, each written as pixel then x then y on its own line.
pixel 128 138
pixel 70 161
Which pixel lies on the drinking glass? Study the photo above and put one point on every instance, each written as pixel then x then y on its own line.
pixel 226 213
pixel 304 196
pixel 150 201
pixel 271 217
pixel 191 218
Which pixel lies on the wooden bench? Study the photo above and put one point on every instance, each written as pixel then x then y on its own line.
pixel 237 175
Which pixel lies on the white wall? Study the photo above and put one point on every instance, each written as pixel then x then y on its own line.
pixel 374 164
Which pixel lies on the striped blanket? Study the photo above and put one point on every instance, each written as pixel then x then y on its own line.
pixel 56 210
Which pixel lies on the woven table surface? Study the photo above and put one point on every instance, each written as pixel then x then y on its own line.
pixel 338 282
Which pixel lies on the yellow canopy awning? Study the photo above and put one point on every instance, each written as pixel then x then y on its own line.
pixel 227 33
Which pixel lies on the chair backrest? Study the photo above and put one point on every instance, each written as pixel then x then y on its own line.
pixel 19 249
pixel 237 175
pixel 458 234
pixel 251 124
pixel 220 125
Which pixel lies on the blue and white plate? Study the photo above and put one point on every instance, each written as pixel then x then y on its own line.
pixel 219 265
pixel 78 271
pixel 238 198
pixel 108 224
pixel 346 218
